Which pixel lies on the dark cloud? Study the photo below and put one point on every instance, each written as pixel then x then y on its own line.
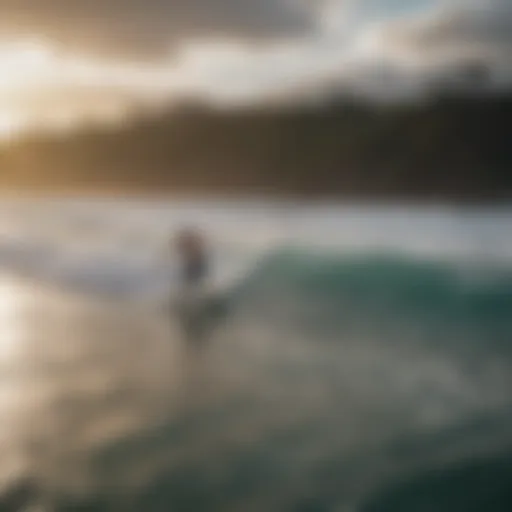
pixel 488 24
pixel 461 41
pixel 147 27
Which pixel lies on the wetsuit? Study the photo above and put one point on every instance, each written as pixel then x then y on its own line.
pixel 195 270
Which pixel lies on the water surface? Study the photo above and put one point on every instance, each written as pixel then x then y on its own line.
pixel 365 363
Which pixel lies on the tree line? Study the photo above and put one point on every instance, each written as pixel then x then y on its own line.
pixel 448 147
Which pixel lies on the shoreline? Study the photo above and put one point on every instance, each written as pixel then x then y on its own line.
pixel 127 194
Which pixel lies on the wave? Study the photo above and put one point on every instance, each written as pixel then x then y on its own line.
pixel 383 275
pixel 408 334
pixel 449 299
pixel 446 299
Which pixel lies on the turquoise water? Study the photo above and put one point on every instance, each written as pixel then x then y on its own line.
pixel 364 365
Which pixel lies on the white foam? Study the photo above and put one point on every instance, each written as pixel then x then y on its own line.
pixel 123 246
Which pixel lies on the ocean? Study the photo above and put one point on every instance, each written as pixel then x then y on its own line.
pixel 363 364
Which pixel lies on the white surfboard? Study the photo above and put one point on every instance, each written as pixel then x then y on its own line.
pixel 198 309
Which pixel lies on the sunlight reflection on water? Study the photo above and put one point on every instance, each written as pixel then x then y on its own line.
pixel 12 302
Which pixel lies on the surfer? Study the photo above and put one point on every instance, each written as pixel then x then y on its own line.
pixel 193 270
pixel 199 309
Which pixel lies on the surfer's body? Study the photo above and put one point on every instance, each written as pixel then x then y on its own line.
pixel 194 271
pixel 192 253
pixel 192 304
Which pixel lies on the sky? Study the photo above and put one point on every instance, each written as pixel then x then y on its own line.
pixel 63 61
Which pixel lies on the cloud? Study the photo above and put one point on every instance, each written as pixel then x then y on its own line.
pixel 485 23
pixel 147 27
pixel 456 32
pixel 364 49
pixel 399 52
pixel 236 51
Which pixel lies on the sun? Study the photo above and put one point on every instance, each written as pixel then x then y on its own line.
pixel 24 66
pixel 44 86
pixel 22 63
pixel 10 125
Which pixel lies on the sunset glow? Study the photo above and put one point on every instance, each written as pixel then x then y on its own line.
pixel 41 87
pixel 10 125
pixel 25 66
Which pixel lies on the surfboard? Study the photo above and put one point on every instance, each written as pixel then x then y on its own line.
pixel 199 311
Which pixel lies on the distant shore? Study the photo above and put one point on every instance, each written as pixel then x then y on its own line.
pixel 453 150
pixel 62 194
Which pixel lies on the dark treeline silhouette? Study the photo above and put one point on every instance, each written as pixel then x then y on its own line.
pixel 448 148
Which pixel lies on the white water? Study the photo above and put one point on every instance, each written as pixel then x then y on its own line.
pixel 124 246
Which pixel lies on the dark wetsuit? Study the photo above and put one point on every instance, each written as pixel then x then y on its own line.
pixel 194 270
pixel 193 315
